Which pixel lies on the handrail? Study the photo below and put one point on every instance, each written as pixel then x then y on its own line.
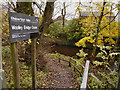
pixel 77 67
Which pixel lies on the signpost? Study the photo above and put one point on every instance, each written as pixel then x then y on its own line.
pixel 23 27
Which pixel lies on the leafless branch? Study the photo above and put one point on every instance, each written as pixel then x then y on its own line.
pixel 108 12
pixel 10 6
pixel 39 6
pixel 110 21
pixel 57 19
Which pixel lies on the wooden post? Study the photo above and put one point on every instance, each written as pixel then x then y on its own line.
pixel 75 67
pixel 85 76
pixel 59 58
pixel 33 58
pixel 15 64
pixel 70 62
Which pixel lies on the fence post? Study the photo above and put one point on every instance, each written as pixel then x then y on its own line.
pixel 70 62
pixel 59 57
pixel 74 67
pixel 85 76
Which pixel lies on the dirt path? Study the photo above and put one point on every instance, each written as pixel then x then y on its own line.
pixel 60 75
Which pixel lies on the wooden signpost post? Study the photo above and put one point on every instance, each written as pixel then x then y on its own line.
pixel 15 64
pixel 33 58
pixel 23 27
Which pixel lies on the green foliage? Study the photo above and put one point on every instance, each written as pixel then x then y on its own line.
pixel 81 53
pixel 24 7
pixel 93 83
pixel 82 56
pixel 113 54
pixel 41 76
pixel 97 63
pixel 79 61
pixel 74 31
pixel 71 31
pixel 6 53
pixel 79 80
pixel 5 29
pixel 110 79
pixel 25 72
pixel 103 72
pixel 109 75
pixel 56 30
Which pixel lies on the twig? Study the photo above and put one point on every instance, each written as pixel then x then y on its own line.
pixel 41 11
pixel 110 21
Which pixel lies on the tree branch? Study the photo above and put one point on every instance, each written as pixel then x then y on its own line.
pixel 41 11
pixel 98 30
pixel 108 12
pixel 11 6
pixel 57 19
pixel 110 22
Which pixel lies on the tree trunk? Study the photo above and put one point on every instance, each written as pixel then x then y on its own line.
pixel 98 30
pixel 47 17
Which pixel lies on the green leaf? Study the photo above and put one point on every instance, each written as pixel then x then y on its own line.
pixel 97 63
pixel 111 54
pixel 100 54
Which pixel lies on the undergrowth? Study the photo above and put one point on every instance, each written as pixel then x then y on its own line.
pixel 25 72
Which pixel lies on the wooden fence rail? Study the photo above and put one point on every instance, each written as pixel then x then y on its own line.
pixel 72 64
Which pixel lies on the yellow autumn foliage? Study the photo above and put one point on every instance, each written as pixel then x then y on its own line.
pixel 29 41
pixel 83 40
pixel 110 40
pixel 90 28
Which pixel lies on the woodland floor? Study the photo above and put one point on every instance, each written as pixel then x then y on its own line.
pixel 60 75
